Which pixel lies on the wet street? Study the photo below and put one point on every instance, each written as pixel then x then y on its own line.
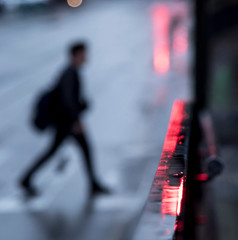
pixel 131 94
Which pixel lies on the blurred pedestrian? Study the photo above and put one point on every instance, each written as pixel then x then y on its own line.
pixel 67 105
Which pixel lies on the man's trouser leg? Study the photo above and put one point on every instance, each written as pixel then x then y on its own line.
pixel 59 137
pixel 84 145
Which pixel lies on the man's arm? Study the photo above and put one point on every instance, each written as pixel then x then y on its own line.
pixel 69 94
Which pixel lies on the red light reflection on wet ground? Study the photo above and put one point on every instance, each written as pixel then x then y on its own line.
pixel 161 22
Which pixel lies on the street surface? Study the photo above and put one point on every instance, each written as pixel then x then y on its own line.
pixel 131 97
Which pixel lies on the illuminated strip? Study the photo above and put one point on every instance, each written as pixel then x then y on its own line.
pixel 180 196
pixel 171 194
pixel 174 127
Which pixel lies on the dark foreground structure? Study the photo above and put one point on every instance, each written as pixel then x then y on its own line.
pixel 193 182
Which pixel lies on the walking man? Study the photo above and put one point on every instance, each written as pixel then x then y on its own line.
pixel 69 105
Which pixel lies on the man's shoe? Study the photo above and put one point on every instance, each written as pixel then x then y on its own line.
pixel 29 191
pixel 97 189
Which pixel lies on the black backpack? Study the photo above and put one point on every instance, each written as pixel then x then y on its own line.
pixel 43 116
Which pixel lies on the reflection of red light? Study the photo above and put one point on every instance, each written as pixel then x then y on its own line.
pixel 169 200
pixel 172 195
pixel 179 226
pixel 175 226
pixel 161 20
pixel 174 127
pixel 180 196
pixel 201 177
pixel 172 198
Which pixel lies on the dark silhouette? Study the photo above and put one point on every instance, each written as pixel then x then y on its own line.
pixel 66 105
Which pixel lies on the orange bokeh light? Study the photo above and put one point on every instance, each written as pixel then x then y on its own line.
pixel 74 3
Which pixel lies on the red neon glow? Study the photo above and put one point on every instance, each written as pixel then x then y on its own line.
pixel 161 21
pixel 174 127
pixel 171 195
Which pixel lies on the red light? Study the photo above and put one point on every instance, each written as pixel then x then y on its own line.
pixel 172 198
pixel 180 196
pixel 161 20
pixel 176 226
pixel 171 195
pixel 174 127
pixel 201 177
pixel 179 226
pixel 169 200
pixel 161 59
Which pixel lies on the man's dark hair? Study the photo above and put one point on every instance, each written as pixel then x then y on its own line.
pixel 77 48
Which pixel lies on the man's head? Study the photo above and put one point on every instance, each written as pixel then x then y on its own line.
pixel 78 54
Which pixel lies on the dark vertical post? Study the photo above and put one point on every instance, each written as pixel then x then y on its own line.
pixel 193 190
pixel 201 54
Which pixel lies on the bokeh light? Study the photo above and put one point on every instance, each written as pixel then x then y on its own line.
pixel 74 3
pixel 161 21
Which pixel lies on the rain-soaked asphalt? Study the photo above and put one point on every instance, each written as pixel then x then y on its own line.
pixel 131 101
